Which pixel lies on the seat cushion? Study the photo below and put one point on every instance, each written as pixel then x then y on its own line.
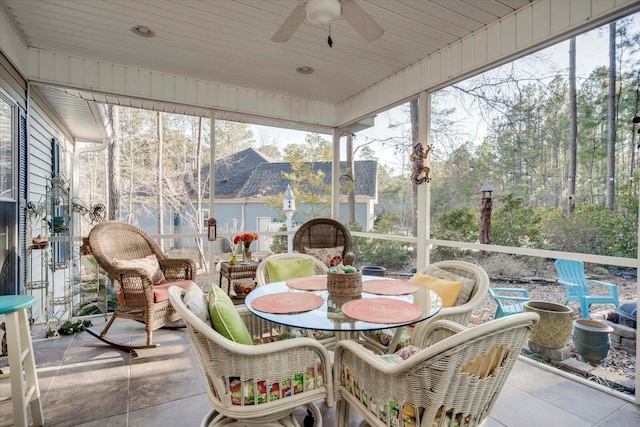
pixel 447 289
pixel 225 319
pixel 329 256
pixel 290 269
pixel 161 290
pixel 384 336
pixel 149 264
pixel 250 392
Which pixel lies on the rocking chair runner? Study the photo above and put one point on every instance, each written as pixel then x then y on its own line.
pixel 138 297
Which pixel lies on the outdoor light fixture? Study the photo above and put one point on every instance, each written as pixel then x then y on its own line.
pixel 323 12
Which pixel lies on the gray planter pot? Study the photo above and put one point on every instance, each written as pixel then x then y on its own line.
pixel 591 340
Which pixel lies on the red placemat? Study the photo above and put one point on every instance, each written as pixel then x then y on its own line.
pixel 381 310
pixel 388 287
pixel 313 283
pixel 287 302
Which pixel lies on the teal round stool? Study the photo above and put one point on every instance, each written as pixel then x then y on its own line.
pixel 22 366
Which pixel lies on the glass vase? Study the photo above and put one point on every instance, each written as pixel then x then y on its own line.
pixel 246 254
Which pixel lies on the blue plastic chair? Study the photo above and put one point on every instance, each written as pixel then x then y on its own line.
pixel 571 275
pixel 509 300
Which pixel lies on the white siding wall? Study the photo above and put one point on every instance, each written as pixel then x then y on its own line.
pixel 44 127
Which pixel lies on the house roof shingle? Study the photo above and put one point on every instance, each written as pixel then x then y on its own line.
pixel 250 174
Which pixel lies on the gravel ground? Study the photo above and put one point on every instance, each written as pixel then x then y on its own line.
pixel 618 360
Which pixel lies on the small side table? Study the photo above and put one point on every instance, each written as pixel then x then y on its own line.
pixel 238 271
pixel 25 391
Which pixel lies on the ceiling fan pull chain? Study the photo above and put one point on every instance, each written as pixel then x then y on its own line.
pixel 329 41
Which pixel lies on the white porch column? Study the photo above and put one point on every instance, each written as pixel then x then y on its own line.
pixel 212 190
pixel 335 176
pixel 424 190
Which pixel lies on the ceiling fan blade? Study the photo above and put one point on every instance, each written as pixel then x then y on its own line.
pixel 360 21
pixel 291 24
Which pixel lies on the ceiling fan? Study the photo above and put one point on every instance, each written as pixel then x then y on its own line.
pixel 324 13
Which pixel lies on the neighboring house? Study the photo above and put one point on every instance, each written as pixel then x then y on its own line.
pixel 245 180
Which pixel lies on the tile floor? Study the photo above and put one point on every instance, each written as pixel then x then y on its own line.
pixel 85 383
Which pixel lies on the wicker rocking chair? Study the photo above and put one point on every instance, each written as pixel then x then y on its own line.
pixel 322 233
pixel 117 246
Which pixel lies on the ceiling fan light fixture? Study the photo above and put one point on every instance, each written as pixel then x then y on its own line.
pixel 323 12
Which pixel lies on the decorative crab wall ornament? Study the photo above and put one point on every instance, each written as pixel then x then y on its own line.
pixel 420 172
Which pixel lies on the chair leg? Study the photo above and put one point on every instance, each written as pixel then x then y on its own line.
pixel 584 307
pixel 342 413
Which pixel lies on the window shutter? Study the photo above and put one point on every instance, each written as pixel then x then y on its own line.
pixel 23 196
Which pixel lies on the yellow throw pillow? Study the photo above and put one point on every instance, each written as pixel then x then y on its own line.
pixel 447 290
pixel 468 284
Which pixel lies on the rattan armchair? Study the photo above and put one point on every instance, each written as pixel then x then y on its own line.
pixel 453 381
pixel 324 233
pixel 259 370
pixel 116 240
pixel 458 313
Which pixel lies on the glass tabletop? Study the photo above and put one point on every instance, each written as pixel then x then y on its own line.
pixel 329 316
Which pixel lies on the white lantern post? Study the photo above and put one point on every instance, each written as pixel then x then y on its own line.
pixel 289 207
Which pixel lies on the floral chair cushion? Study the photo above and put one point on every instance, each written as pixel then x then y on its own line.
pixel 397 413
pixel 329 256
pixel 250 392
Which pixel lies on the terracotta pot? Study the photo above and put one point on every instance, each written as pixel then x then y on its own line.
pixel 555 325
pixel 591 340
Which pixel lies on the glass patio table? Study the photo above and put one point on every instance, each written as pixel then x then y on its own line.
pixel 329 315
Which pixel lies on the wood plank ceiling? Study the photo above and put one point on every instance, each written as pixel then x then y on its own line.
pixel 229 41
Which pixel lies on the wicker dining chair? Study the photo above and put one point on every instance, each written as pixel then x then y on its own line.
pixel 476 281
pixel 260 384
pixel 123 251
pixel 323 233
pixel 453 381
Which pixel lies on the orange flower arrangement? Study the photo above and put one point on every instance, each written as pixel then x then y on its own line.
pixel 245 238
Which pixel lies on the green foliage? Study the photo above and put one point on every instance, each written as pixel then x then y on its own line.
pixel 513 224
pixel 460 225
pixel 592 229
pixel 72 326
pixel 384 253
pixel 279 243
pixel 310 185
